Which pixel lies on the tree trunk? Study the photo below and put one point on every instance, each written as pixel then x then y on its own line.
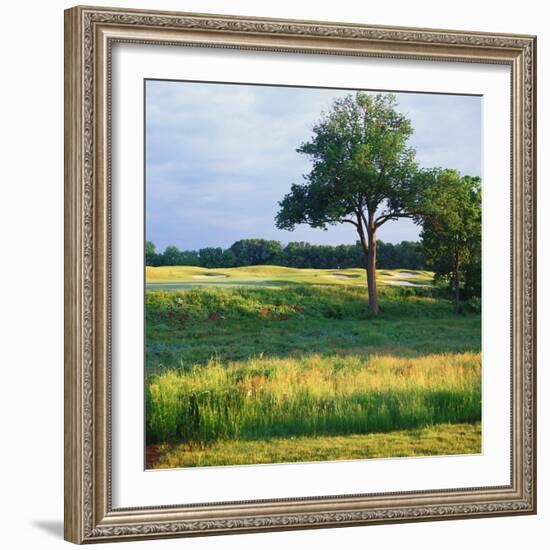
pixel 371 271
pixel 456 283
pixel 368 243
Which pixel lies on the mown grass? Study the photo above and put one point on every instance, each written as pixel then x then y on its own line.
pixel 443 439
pixel 182 277
pixel 314 395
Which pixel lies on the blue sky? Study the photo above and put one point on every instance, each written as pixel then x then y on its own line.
pixel 219 157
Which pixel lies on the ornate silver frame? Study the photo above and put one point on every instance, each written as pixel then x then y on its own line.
pixel 89 35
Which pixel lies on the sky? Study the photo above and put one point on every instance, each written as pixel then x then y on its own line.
pixel 219 157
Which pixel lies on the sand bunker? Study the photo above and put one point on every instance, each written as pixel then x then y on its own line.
pixel 209 276
pixel 402 283
pixel 344 276
pixel 406 275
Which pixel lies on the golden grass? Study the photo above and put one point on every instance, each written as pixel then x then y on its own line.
pixel 312 395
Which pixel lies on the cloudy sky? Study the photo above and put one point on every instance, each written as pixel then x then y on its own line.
pixel 219 157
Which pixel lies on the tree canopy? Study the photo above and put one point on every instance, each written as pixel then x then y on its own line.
pixel 363 173
pixel 451 234
pixel 255 251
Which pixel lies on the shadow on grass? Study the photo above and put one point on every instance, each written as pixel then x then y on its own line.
pixel 238 323
pixel 218 284
pixel 230 341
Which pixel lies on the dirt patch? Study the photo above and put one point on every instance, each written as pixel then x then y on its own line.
pixel 152 455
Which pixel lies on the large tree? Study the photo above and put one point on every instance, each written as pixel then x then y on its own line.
pixel 171 256
pixel 151 256
pixel 211 257
pixel 255 251
pixel 451 234
pixel 363 173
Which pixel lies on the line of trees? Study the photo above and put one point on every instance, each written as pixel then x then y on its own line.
pixel 406 254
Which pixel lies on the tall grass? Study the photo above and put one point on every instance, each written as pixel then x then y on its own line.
pixel 312 395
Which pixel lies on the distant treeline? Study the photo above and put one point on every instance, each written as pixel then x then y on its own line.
pixel 406 254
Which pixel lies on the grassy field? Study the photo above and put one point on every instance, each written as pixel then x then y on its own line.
pixel 284 365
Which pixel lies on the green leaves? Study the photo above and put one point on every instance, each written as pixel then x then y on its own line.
pixel 255 251
pixel 451 232
pixel 361 162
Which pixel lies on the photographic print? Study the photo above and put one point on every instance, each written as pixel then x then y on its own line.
pixel 313 274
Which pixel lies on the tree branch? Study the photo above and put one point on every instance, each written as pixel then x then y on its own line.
pixel 350 221
pixel 362 214
pixel 361 232
pixel 391 216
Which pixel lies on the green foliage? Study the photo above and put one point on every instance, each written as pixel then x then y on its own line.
pixel 361 164
pixel 229 259
pixel 255 251
pixel 188 257
pixel 149 248
pixel 451 233
pixel 211 257
pixel 406 254
pixel 299 301
pixel 306 255
pixel 472 275
pixel 171 255
pixel 151 256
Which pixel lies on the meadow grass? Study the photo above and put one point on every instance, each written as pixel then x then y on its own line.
pixel 442 439
pixel 301 301
pixel 231 367
pixel 313 395
pixel 186 328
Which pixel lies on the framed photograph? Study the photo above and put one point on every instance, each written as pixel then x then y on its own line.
pixel 300 274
